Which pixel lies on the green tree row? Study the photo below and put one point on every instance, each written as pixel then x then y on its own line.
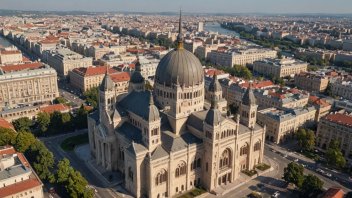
pixel 239 71
pixel 57 122
pixel 43 162
pixel 308 185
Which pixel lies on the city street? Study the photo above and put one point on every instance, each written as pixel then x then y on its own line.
pixel 53 144
pixel 272 181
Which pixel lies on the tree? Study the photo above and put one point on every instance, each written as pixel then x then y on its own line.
pixel 66 121
pixel 60 100
pixel 80 119
pixel 22 124
pixel 148 86
pixel 43 121
pixel 23 141
pixel 92 96
pixel 7 136
pixel 306 139
pixel 312 186
pixel 63 170
pixel 334 155
pixel 293 173
pixel 77 186
pixel 43 161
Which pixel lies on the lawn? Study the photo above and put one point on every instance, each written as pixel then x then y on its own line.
pixel 193 193
pixel 70 143
pixel 263 167
pixel 250 172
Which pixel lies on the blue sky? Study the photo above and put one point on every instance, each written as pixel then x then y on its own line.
pixel 200 6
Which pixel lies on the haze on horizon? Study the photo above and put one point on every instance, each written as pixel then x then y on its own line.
pixel 195 6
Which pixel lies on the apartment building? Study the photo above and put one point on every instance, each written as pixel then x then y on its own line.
pixel 282 123
pixel 282 98
pixel 10 57
pixel 243 57
pixel 279 68
pixel 87 78
pixel 27 84
pixel 64 60
pixel 17 179
pixel 336 126
pixel 321 105
pixel 342 89
pixel 311 81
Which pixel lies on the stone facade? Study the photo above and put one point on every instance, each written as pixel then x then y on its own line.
pixel 279 68
pixel 336 126
pixel 311 82
pixel 26 87
pixel 283 123
pixel 164 141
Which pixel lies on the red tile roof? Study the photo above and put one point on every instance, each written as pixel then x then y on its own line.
pixel 120 77
pixel 19 67
pixel 258 85
pixel 56 107
pixel 334 193
pixel 8 52
pixel 211 72
pixel 318 101
pixel 5 124
pixel 19 187
pixel 93 71
pixel 7 150
pixel 339 118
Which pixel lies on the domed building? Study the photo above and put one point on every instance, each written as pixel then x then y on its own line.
pixel 165 142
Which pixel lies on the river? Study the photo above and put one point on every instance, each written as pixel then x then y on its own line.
pixel 215 27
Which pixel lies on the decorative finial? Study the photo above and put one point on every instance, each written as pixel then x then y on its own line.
pixel 180 35
pixel 151 99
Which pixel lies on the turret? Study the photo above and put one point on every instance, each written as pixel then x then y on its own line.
pixel 151 128
pixel 137 81
pixel 248 108
pixel 106 94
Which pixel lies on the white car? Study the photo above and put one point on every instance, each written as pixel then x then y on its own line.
pixel 276 194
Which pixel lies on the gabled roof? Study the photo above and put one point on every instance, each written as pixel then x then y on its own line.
pixel 158 153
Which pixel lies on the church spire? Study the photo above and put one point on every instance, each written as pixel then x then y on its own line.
pixel 180 35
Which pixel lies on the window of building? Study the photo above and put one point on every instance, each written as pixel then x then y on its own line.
pixel 181 169
pixel 130 173
pixel 225 159
pixel 161 177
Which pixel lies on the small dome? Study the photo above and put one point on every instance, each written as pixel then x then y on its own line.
pixel 181 67
pixel 153 110
pixel 107 83
pixel 136 75
pixel 215 85
pixel 248 97
pixel 213 116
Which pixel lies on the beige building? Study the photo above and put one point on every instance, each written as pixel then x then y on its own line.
pixel 17 179
pixel 336 126
pixel 283 123
pixel 240 56
pixel 10 57
pixel 342 89
pixel 164 141
pixel 27 84
pixel 85 78
pixel 279 68
pixel 64 60
pixel 312 82
pixel 281 98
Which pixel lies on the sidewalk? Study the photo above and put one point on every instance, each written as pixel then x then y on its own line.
pixel 243 179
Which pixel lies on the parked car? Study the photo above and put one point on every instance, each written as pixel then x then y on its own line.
pixel 276 194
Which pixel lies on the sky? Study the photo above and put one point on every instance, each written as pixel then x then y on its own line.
pixel 192 6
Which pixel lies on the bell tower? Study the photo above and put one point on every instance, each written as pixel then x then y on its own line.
pixel 248 108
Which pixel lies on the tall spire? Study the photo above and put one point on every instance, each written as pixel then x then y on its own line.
pixel 180 35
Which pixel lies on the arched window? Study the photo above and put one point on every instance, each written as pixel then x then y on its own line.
pixel 181 169
pixel 257 146
pixel 244 150
pixel 225 159
pixel 161 177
